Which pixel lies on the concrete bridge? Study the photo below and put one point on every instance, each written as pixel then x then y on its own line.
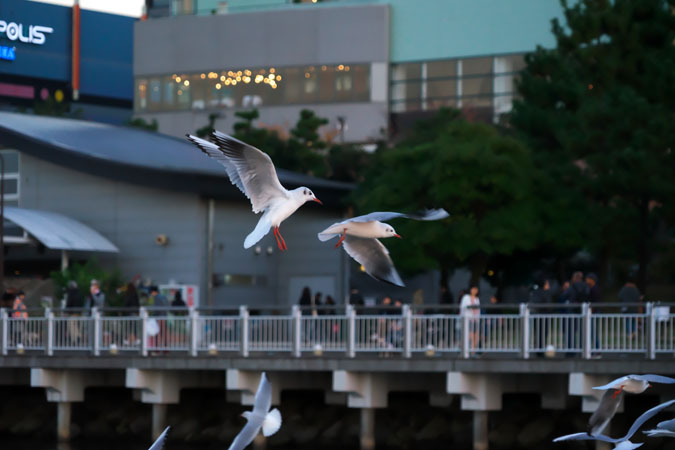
pixel 355 359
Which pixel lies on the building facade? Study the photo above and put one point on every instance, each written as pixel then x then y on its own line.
pixel 370 66
pixel 48 51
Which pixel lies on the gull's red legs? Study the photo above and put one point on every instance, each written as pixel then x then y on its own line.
pixel 276 236
pixel 342 238
pixel 283 242
pixel 618 391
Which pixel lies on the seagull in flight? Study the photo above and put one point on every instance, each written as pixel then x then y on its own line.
pixel 359 237
pixel 622 443
pixel 159 443
pixel 260 417
pixel 663 429
pixel 607 407
pixel 635 384
pixel 253 172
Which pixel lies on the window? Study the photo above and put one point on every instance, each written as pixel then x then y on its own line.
pixel 11 177
pixel 141 94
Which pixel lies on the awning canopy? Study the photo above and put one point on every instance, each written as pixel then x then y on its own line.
pixel 57 231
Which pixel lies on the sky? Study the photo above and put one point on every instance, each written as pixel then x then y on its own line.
pixel 131 8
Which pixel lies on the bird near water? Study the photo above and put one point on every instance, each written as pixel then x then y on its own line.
pixel 253 172
pixel 359 237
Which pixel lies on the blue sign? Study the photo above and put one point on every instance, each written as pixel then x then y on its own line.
pixel 7 53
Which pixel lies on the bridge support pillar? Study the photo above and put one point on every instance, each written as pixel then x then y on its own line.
pixel 581 384
pixel 480 430
pixel 64 387
pixel 159 418
pixel 63 414
pixel 367 433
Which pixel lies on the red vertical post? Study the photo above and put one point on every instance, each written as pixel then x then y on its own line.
pixel 76 50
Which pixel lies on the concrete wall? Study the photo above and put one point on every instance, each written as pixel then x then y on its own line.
pixel 357 34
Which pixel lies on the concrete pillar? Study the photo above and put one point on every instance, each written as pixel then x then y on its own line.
pixel 259 442
pixel 63 414
pixel 480 430
pixel 367 433
pixel 158 419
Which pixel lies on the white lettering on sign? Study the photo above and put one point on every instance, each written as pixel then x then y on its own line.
pixel 35 34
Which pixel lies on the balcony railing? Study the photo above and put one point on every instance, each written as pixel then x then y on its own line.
pixel 584 331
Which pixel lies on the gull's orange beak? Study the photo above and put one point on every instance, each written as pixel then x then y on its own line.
pixel 398 236
pixel 317 200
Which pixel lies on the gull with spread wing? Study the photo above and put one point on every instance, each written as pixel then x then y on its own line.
pixel 260 417
pixel 359 237
pixel 635 384
pixel 663 429
pixel 622 443
pixel 607 407
pixel 159 443
pixel 253 172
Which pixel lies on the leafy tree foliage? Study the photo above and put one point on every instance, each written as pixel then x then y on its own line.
pixel 484 179
pixel 599 110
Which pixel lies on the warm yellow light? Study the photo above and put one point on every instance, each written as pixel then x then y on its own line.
pixel 274 86
pixel 202 76
pixel 180 92
pixel 238 78
pixel 323 68
pixel 218 85
pixel 347 68
pixel 271 69
pixel 363 269
pixel 306 74
pixel 266 80
pixel 213 75
pixel 177 79
pixel 239 72
pixel 247 72
pixel 341 67
pixel 173 76
pixel 222 78
pixel 258 78
pixel 186 83
pixel 278 77
pixel 232 74
pixel 270 76
pixel 314 1
pixel 234 82
pixel 247 80
pixel 227 82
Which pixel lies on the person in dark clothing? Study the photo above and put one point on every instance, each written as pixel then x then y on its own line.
pixel 131 297
pixel 578 290
pixel 541 294
pixel 446 296
pixel 178 301
pixel 305 300
pixel 74 297
pixel 630 294
pixel 355 298
pixel 593 288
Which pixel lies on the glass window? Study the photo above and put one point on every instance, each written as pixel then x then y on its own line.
pixel 344 83
pixel 441 69
pixel 407 71
pixel 11 186
pixel 198 87
pixel 326 83
pixel 169 93
pixel 509 63
pixel 310 85
pixel 477 66
pixel 476 86
pixel 182 91
pixel 361 75
pixel 441 88
pixel 406 91
pixel 155 95
pixel 291 85
pixel 141 94
pixel 11 159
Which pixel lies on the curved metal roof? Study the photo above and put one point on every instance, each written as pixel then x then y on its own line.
pixel 57 231
pixel 131 147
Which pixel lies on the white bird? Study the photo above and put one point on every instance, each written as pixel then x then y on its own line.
pixel 635 384
pixel 253 172
pixel 159 443
pixel 622 443
pixel 260 417
pixel 359 236
pixel 607 407
pixel 663 429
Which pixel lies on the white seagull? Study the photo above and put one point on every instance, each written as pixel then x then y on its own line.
pixel 253 172
pixel 663 429
pixel 609 403
pixel 159 443
pixel 635 384
pixel 359 236
pixel 622 443
pixel 260 417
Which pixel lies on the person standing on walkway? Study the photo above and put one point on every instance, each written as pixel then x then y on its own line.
pixel 470 306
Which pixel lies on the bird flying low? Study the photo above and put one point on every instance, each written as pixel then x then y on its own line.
pixel 622 443
pixel 359 237
pixel 260 418
pixel 253 172
pixel 635 384
pixel 663 429
pixel 159 443
pixel 607 407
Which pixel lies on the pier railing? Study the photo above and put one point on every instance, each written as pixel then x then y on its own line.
pixel 583 331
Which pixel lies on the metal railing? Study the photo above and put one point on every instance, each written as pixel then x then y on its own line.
pixel 524 330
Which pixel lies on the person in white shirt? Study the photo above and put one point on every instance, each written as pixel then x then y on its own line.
pixel 470 306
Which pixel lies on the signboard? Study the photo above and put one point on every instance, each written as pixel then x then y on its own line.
pixel 189 292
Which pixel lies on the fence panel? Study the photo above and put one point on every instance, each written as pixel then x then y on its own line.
pixel 376 333
pixel 270 333
pixel 561 331
pixel 218 332
pixel 122 333
pixel 73 333
pixel 26 333
pixel 495 333
pixel 169 333
pixel 325 333
pixel 618 333
pixel 664 330
pixel 441 333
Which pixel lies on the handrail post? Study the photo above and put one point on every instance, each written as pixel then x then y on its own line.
pixel 194 331
pixel 96 317
pixel 586 330
pixel 525 330
pixel 406 312
pixel 651 329
pixel 296 315
pixel 5 330
pixel 351 331
pixel 466 343
pixel 144 331
pixel 49 346
pixel 243 317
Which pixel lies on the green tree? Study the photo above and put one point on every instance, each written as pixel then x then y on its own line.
pixel 141 123
pixel 482 178
pixel 206 129
pixel 82 274
pixel 599 111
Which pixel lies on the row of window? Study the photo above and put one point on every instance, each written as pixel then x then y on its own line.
pixel 254 87
pixel 11 177
pixel 480 82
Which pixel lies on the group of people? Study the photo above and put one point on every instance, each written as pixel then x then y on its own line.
pixel 13 300
pixel 315 304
